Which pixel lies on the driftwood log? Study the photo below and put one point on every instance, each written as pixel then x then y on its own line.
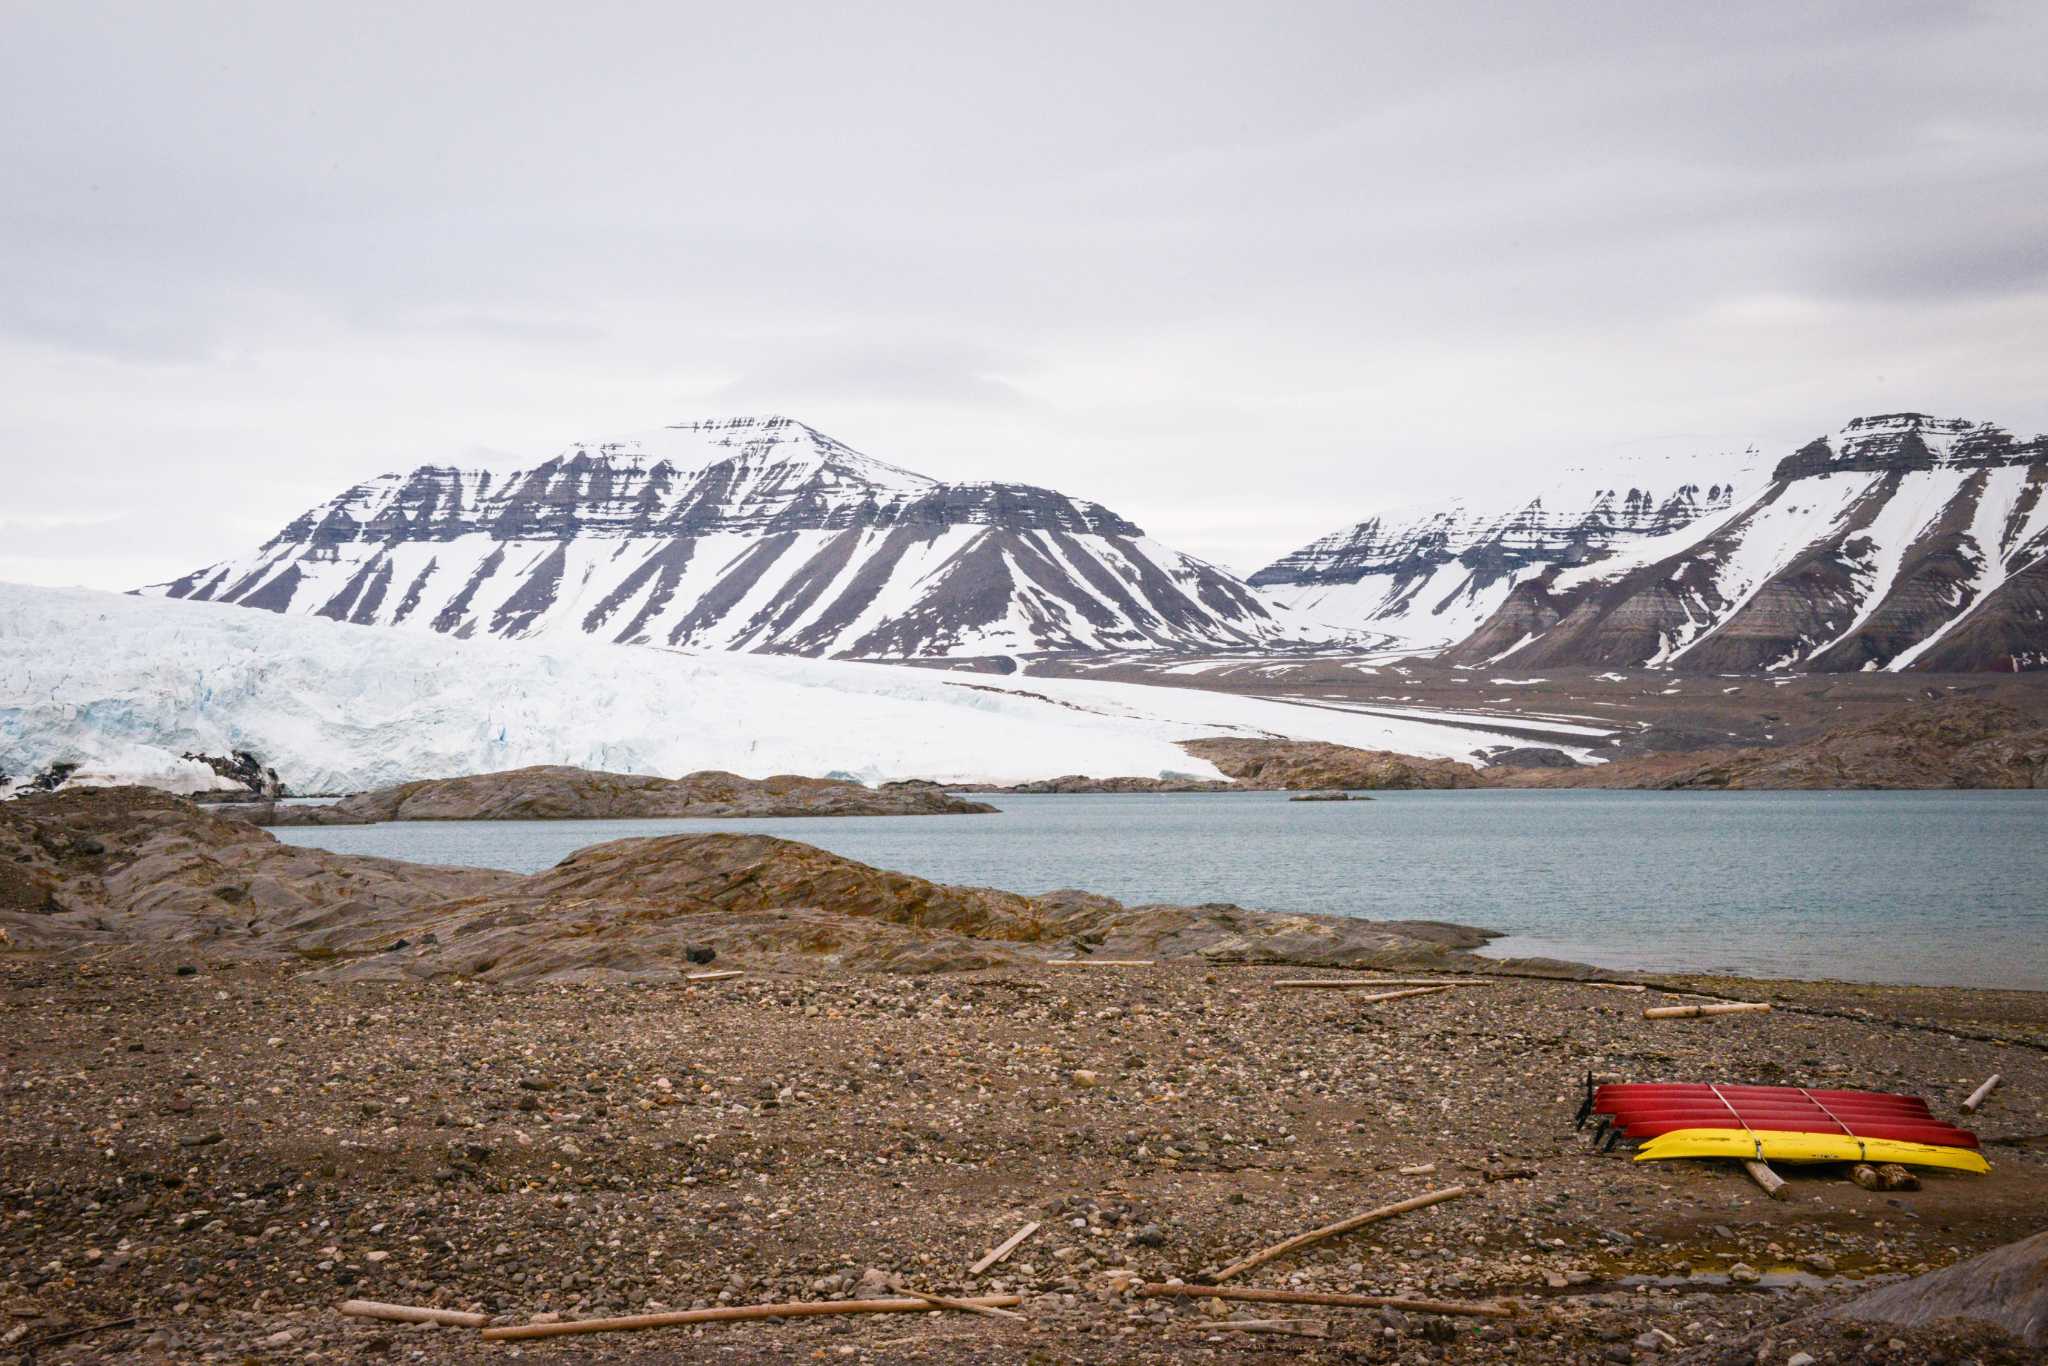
pixel 1317 1235
pixel 1359 983
pixel 1473 1309
pixel 1003 1249
pixel 412 1313
pixel 1692 1012
pixel 795 1309
pixel 948 1302
pixel 1978 1096
pixel 1761 1173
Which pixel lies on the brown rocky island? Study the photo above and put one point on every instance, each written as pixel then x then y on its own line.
pixel 553 792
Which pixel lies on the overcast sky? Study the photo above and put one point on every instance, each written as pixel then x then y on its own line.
pixel 1242 273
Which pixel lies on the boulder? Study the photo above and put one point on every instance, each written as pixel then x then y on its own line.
pixel 2006 1287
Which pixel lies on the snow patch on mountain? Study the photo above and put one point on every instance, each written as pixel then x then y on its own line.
pixel 1425 580
pixel 1903 541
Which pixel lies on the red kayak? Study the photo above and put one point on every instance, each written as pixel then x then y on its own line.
pixel 1641 1110
pixel 1839 1109
pixel 1635 1092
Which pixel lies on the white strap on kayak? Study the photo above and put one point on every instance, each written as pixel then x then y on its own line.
pixel 1818 1103
pixel 1736 1115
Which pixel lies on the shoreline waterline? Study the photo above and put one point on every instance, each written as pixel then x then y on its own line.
pixel 1905 888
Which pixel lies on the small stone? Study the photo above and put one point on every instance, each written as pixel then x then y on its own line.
pixel 1085 1079
pixel 1800 1359
pixel 1742 1273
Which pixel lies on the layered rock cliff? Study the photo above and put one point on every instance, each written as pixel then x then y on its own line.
pixel 757 534
pixel 1429 578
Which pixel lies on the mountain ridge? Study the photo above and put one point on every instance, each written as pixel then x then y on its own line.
pixel 739 534
pixel 1428 577
pixel 1904 541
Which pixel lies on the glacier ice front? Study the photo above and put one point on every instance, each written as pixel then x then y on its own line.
pixel 124 685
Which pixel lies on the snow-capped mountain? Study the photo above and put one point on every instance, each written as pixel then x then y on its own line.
pixel 126 687
pixel 749 534
pixel 1906 541
pixel 1429 579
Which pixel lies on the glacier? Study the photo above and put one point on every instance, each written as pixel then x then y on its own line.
pixel 124 685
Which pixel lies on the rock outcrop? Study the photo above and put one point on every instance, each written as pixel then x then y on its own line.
pixel 1314 765
pixel 129 866
pixel 550 792
pixel 1953 743
pixel 132 872
pixel 2006 1288
pixel 1074 783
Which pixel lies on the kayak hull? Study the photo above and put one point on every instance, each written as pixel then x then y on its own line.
pixel 1777 1146
pixel 1655 1125
pixel 1607 1097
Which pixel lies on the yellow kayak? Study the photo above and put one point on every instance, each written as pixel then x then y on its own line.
pixel 1797 1147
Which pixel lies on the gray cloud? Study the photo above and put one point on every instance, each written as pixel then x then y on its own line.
pixel 1242 273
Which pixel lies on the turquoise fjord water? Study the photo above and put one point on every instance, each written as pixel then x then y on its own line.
pixel 1919 887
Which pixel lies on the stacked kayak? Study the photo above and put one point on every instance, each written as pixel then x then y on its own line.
pixel 1780 1124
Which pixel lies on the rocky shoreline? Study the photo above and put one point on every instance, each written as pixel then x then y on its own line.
pixel 133 874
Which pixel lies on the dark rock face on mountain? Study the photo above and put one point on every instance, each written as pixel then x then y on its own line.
pixel 1908 542
pixel 134 872
pixel 1429 580
pixel 747 534
pixel 1956 743
pixel 1315 765
pixel 556 792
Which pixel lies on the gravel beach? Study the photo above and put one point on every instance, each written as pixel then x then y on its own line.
pixel 208 1157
